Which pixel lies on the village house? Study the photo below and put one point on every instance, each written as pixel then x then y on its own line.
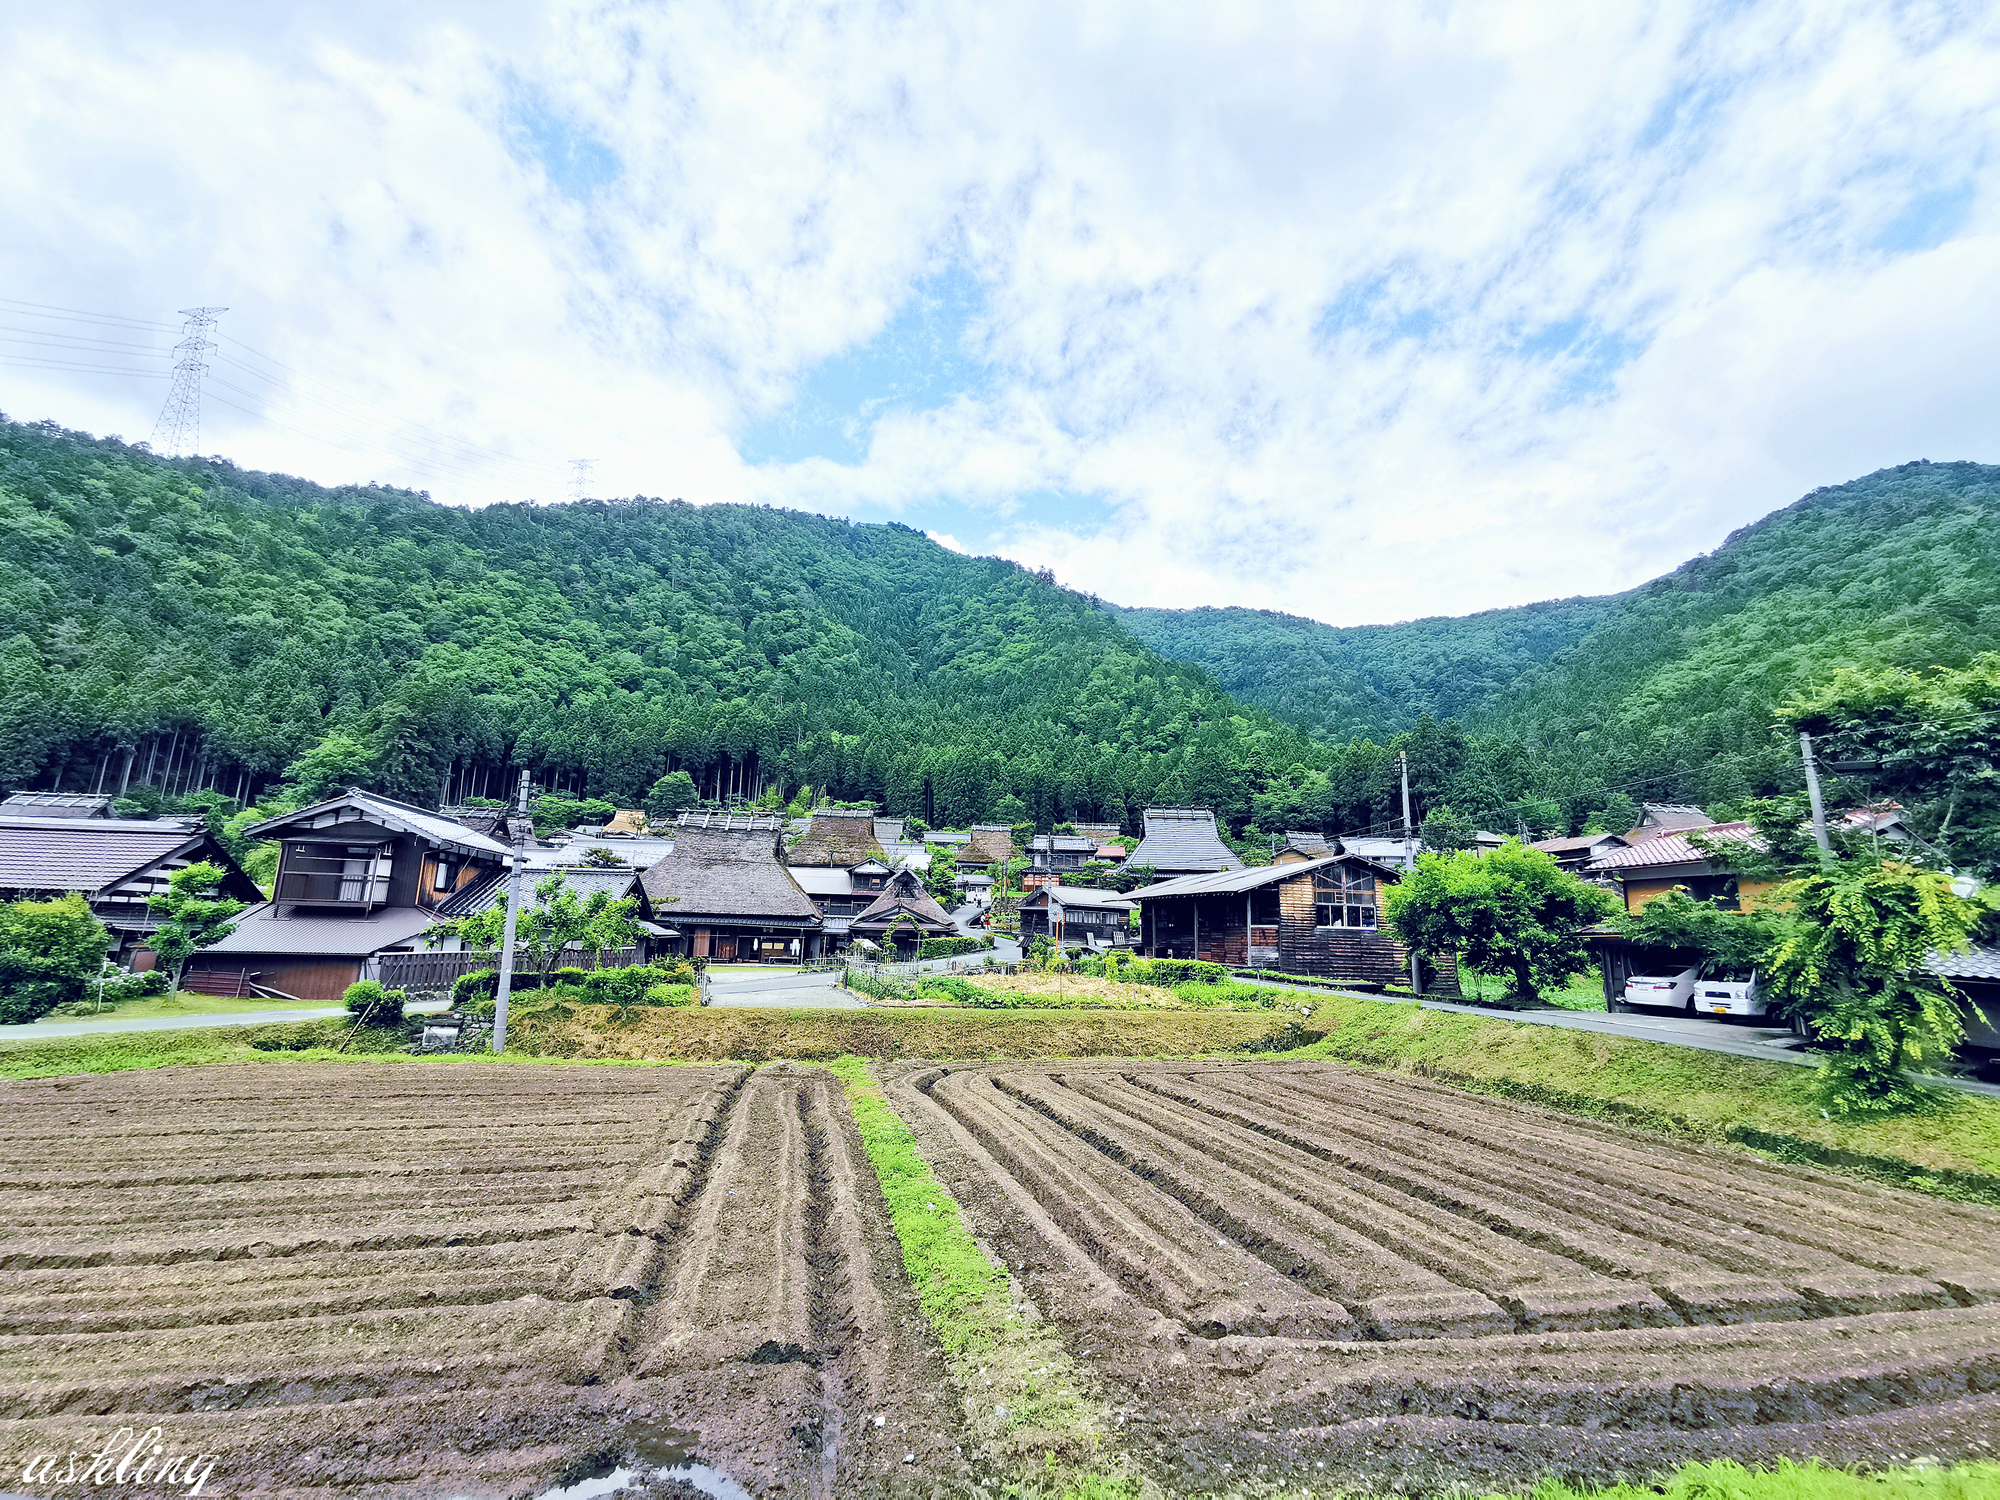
pixel 725 889
pixel 839 861
pixel 1320 916
pixel 990 846
pixel 1051 856
pixel 1645 870
pixel 1077 915
pixel 115 864
pixel 1182 841
pixel 359 876
pixel 902 915
pixel 1667 817
pixel 1577 854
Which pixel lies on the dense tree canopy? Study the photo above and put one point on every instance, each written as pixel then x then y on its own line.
pixel 184 623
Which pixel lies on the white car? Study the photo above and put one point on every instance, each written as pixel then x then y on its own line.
pixel 1726 991
pixel 1667 991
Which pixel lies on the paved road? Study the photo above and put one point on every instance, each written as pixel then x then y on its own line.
pixel 41 1031
pixel 782 988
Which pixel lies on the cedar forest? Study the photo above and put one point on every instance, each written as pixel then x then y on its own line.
pixel 181 625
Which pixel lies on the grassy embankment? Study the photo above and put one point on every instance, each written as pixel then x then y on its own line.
pixel 1024 1399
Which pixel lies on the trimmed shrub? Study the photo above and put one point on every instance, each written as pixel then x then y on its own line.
pixel 952 947
pixel 471 989
pixel 636 984
pixel 372 1005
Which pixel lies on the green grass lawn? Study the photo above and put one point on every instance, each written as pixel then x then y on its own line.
pixel 1584 991
pixel 186 1003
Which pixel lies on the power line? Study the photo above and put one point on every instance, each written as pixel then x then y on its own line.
pixel 78 315
pixel 179 429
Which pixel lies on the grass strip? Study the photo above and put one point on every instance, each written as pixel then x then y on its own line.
pixel 1681 1091
pixel 1024 1401
pixel 1726 1480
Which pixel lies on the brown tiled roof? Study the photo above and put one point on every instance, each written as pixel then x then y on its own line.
pixel 1666 849
pixel 718 873
pixel 838 837
pixel 1657 818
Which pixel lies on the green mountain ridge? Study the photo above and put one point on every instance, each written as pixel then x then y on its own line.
pixel 198 625
pixel 1668 685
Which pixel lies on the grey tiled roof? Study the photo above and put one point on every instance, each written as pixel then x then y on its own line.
pixel 1183 838
pixel 389 813
pixel 1234 882
pixel 258 930
pixel 723 874
pixel 582 879
pixel 86 854
pixel 1312 843
pixel 1083 895
pixel 1977 962
pixel 57 805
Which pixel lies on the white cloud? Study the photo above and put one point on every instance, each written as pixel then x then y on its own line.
pixel 1359 312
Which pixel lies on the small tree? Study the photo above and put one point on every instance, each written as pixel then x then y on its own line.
pixel 1514 911
pixel 603 859
pixel 557 919
pixel 50 953
pixel 1447 832
pixel 1737 939
pixel 675 793
pixel 372 1005
pixel 197 915
pixel 1851 965
pixel 941 874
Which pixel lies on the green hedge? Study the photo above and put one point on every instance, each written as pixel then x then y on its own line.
pixel 952 947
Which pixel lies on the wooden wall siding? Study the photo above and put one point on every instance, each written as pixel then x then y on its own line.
pixel 324 979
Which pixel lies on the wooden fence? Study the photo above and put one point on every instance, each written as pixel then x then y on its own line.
pixel 431 975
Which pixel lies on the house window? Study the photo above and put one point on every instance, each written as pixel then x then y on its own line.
pixel 1344 896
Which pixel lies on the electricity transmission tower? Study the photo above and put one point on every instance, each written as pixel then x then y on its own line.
pixel 579 476
pixel 179 429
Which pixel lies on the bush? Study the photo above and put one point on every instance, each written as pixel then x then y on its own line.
pixel 372 1005
pixel 952 947
pixel 640 984
pixel 50 954
pixel 471 989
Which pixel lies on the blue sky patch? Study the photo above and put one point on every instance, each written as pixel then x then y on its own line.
pixel 1927 220
pixel 1364 305
pixel 577 162
pixel 1589 357
pixel 922 359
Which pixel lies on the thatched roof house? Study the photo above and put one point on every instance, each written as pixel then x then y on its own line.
pixel 838 836
pixel 730 895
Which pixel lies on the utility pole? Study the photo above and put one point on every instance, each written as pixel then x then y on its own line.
pixel 1818 807
pixel 179 429
pixel 1409 863
pixel 518 859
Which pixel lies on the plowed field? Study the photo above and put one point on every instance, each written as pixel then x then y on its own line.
pixel 1302 1273
pixel 474 1279
pixel 460 1280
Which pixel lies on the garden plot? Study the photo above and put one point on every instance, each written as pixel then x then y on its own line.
pixel 460 1279
pixel 1297 1272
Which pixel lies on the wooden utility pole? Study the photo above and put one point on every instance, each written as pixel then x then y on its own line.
pixel 516 861
pixel 1818 807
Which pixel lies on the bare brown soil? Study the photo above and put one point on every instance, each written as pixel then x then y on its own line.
pixel 486 1280
pixel 461 1280
pixel 1298 1273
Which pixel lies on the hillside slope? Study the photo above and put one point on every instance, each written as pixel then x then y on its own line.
pixel 1900 568
pixel 193 624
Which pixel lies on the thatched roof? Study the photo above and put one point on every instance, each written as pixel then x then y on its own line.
pixel 838 837
pixel 723 873
pixel 991 844
pixel 903 897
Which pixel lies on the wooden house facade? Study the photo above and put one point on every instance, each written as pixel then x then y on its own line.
pixel 1078 916
pixel 1321 917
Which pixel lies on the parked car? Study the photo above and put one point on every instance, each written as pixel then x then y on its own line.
pixel 1724 990
pixel 1667 991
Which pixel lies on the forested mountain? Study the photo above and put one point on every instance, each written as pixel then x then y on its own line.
pixel 188 624
pixel 184 624
pixel 1666 690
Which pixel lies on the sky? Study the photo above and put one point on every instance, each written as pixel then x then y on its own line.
pixel 1361 312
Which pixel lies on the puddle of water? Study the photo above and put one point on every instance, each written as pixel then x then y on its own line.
pixel 658 1453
